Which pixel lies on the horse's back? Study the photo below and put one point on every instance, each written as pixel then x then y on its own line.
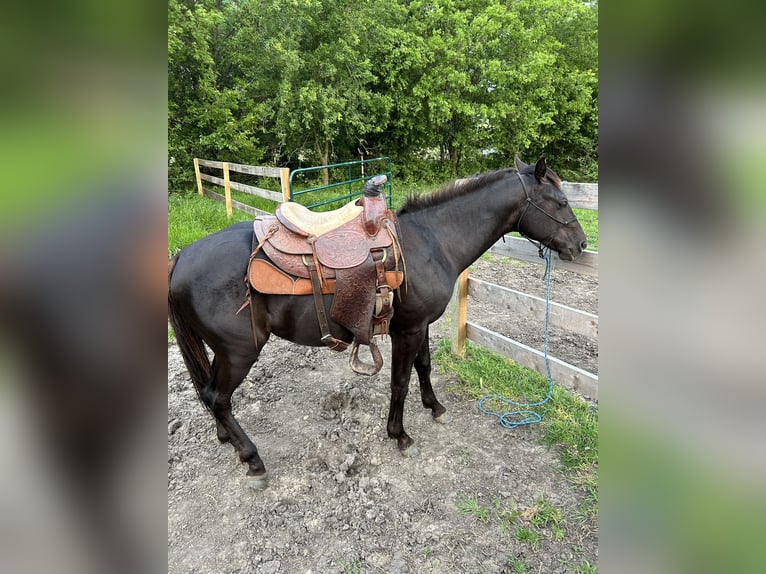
pixel 219 257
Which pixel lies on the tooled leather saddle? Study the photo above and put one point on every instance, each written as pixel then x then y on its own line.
pixel 352 253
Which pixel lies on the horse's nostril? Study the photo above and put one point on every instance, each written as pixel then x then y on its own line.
pixel 583 245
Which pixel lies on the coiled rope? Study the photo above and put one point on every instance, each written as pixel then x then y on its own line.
pixel 511 419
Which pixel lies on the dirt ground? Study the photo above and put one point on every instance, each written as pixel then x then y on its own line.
pixel 341 498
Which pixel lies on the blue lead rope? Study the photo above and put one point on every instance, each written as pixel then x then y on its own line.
pixel 511 419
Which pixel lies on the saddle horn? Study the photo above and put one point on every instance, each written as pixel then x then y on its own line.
pixel 373 185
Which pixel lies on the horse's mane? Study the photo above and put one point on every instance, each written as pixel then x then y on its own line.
pixel 454 189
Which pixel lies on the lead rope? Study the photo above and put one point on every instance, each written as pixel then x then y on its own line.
pixel 532 417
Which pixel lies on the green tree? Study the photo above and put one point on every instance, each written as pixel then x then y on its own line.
pixel 498 77
pixel 460 84
pixel 209 114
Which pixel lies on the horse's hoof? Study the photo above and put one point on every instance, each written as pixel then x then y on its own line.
pixel 258 482
pixel 411 451
pixel 442 418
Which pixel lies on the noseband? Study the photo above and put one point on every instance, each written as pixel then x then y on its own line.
pixel 545 242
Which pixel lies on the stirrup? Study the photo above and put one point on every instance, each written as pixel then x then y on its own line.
pixel 363 368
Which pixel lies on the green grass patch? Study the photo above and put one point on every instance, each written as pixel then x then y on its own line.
pixel 569 423
pixel 251 200
pixel 353 567
pixel 506 515
pixel 518 566
pixel 588 219
pixel 469 506
pixel 527 535
pixel 584 568
pixel 531 524
pixel 192 217
pixel 544 514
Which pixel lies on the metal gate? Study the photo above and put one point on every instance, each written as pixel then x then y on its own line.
pixel 355 173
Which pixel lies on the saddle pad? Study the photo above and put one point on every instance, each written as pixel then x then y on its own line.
pixel 266 278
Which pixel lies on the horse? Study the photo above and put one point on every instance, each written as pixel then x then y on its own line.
pixel 441 234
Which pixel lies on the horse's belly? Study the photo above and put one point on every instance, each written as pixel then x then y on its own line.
pixel 294 317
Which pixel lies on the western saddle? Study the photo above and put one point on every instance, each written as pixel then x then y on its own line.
pixel 352 253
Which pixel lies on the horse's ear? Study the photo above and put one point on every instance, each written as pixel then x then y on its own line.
pixel 520 165
pixel 540 170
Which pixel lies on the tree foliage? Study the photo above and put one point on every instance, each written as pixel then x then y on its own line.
pixel 445 87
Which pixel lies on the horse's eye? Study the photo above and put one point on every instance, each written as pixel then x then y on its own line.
pixel 563 203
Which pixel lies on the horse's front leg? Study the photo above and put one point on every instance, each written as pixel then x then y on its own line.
pixel 405 348
pixel 423 368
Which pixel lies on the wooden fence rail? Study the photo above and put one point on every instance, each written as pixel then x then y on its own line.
pixel 282 173
pixel 518 303
pixel 583 195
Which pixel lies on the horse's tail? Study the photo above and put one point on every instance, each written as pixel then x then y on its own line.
pixel 189 341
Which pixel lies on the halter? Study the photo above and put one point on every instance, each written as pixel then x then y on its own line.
pixel 545 242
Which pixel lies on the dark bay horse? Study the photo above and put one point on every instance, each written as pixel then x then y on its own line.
pixel 441 235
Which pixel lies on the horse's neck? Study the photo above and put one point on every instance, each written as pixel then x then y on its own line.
pixel 465 227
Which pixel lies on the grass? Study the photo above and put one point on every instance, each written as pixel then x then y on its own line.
pixel 353 567
pixel 527 535
pixel 545 514
pixel 192 217
pixel 470 506
pixel 507 516
pixel 569 423
pixel 584 568
pixel 588 219
pixel 528 525
pixel 518 566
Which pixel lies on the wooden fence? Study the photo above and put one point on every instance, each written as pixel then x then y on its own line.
pixel 283 173
pixel 518 303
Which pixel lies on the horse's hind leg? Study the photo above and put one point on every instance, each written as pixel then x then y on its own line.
pixel 227 376
pixel 423 368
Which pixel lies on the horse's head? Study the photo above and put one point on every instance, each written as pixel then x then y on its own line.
pixel 546 215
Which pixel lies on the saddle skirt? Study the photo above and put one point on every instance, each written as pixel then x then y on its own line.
pixel 355 258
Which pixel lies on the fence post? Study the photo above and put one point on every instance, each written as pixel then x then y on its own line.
pixel 458 312
pixel 199 179
pixel 284 179
pixel 227 187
